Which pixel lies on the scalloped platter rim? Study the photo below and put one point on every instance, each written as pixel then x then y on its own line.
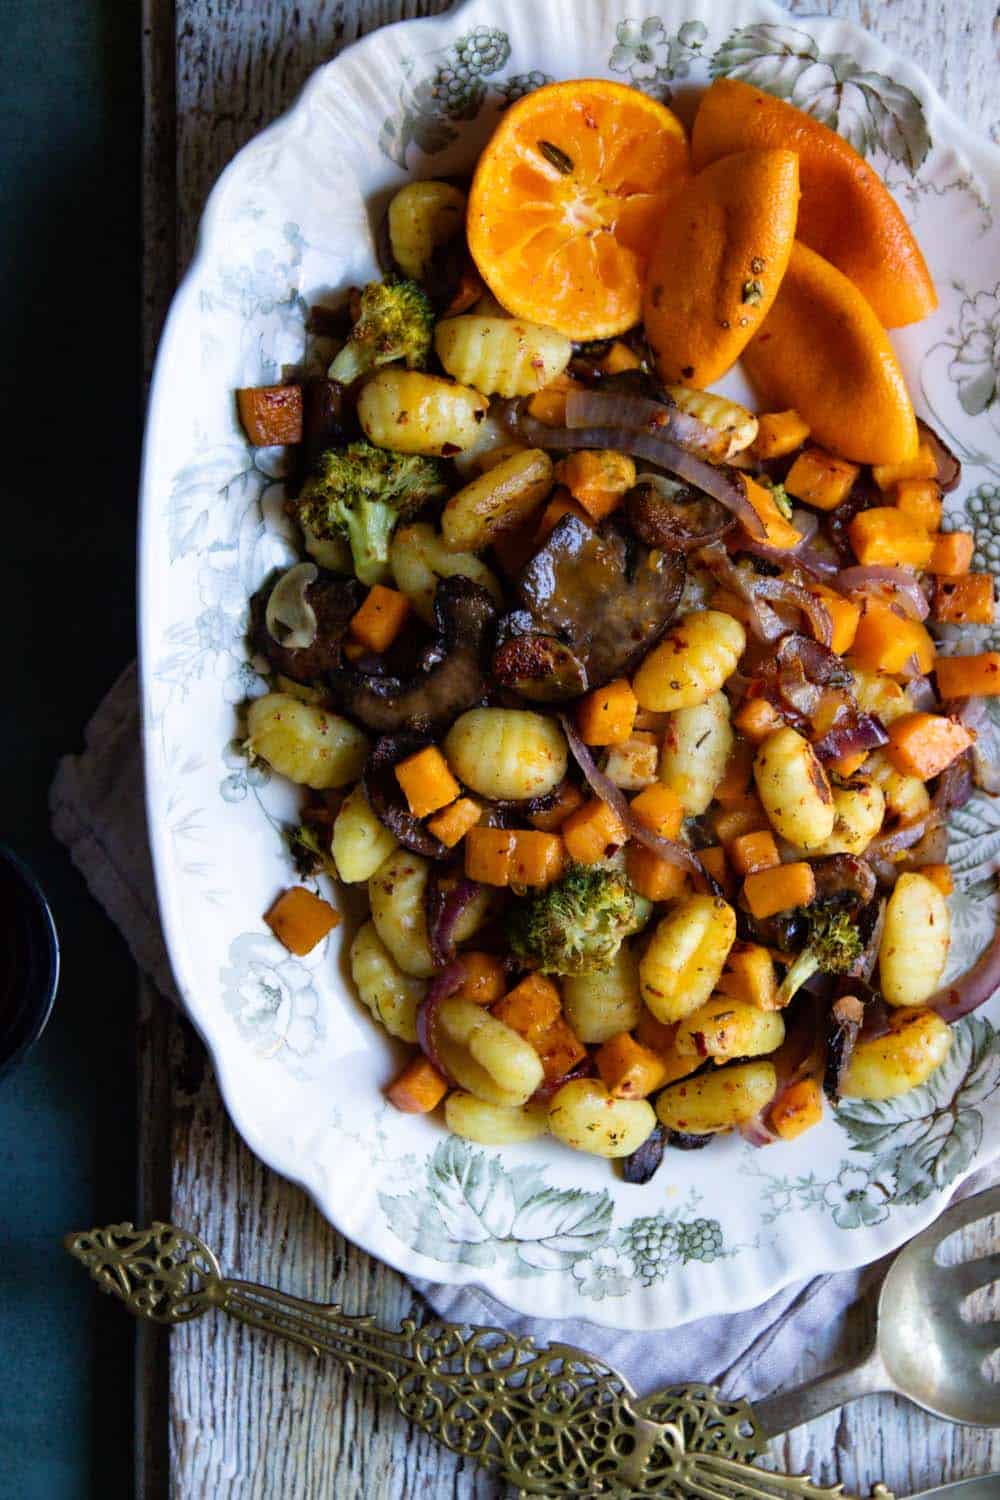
pixel 548 1231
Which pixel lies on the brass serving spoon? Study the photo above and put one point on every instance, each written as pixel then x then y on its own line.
pixel 556 1421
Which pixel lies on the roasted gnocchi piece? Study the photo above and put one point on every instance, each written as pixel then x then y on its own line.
pixel 501 356
pixel 882 1067
pixel 397 893
pixel 391 995
pixel 494 1124
pixel 691 663
pixel 415 413
pixel 360 841
pixel 696 746
pixel 419 559
pixel 633 764
pixel 486 1057
pixel 794 789
pixel 736 426
pixel 722 1099
pixel 724 1028
pixel 858 811
pixel 423 216
pixel 906 797
pixel 309 745
pixel 495 501
pixel 584 1115
pixel 914 948
pixel 685 956
pixel 600 1005
pixel 506 753
pixel 880 695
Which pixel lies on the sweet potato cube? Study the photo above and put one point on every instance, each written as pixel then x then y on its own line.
pixel 606 715
pixel 737 779
pixel 844 616
pixel 778 433
pixel 559 1048
pixel 846 765
pixel 530 1007
pixel 820 479
pixel 884 537
pixel 730 823
pixel 753 851
pixel 561 504
pixel 920 499
pixel 629 1070
pixel 489 854
pixel 426 781
pixel 952 552
pixel 923 744
pixel 271 414
pixel 632 765
pixel 453 822
pixel 539 858
pixel 549 404
pixel 380 618
pixel 300 919
pixel 568 799
pixel 885 643
pixel 484 978
pixel 756 718
pixel 618 358
pixel 798 1110
pixel 941 876
pixel 969 676
pixel 714 863
pixel 418 1089
pixel 778 531
pixel 660 810
pixel 965 599
pixel 779 889
pixel 923 465
pixel 597 478
pixel 749 976
pixel 652 876
pixel 593 832
pixel 660 1038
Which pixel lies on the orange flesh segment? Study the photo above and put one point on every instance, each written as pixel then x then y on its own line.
pixel 566 200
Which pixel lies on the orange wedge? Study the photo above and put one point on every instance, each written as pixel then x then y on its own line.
pixel 847 214
pixel 567 198
pixel 823 351
pixel 718 263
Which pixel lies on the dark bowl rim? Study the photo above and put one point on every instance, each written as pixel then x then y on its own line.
pixel 41 1009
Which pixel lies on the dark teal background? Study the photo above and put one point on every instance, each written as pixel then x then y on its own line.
pixel 70 391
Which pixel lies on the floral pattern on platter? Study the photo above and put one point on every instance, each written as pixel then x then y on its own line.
pixel 272 996
pixel 651 58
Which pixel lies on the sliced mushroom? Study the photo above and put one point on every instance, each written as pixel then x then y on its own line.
pixel 289 617
pixel 537 666
pixel 602 594
pixel 332 602
pixel 449 676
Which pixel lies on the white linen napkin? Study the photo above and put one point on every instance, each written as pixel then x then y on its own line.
pixel 98 812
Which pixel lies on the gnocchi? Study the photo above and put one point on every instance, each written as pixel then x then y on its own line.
pixel 722 1099
pixel 495 501
pixel 598 1006
pixel 880 695
pixel 686 955
pixel 331 552
pixel 501 356
pixel 506 753
pixel 882 1067
pixel 422 216
pixel 858 811
pixel 794 789
pixel 696 746
pixel 309 745
pixel 360 841
pixel 390 995
pixel 584 1115
pixel 415 413
pixel 486 1057
pixel 691 663
pixel 915 939
pixel 397 895
pixel 724 1028
pixel 906 797
pixel 736 426
pixel 633 763
pixel 419 559
pixel 494 1124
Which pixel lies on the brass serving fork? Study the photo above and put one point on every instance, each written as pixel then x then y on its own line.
pixel 556 1421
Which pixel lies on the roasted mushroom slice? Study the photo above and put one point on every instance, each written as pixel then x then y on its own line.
pixel 331 601
pixel 601 593
pixel 537 666
pixel 449 676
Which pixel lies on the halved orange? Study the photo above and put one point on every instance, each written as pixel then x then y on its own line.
pixel 567 200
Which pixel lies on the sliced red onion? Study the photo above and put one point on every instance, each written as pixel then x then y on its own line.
pixel 585 1068
pixel 722 483
pixel 640 414
pixel 444 907
pixel 973 714
pixel 902 837
pixel 975 987
pixel 602 787
pixel 895 584
pixel 846 1019
pixel 645 1159
pixel 806 558
pixel 921 693
pixel 866 732
pixel 955 785
pixel 765 624
pixel 815 611
pixel 441 988
pixel 755 1132
pixel 949 469
pixel 878 1018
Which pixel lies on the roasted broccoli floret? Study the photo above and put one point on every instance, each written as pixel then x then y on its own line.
pixel 577 925
pixel 833 946
pixel 396 321
pixel 307 851
pixel 361 492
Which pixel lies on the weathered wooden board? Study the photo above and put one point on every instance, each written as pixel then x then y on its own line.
pixel 251 1419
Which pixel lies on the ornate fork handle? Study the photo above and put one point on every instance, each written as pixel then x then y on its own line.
pixel 552 1420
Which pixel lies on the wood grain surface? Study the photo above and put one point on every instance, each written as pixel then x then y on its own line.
pixel 250 1418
